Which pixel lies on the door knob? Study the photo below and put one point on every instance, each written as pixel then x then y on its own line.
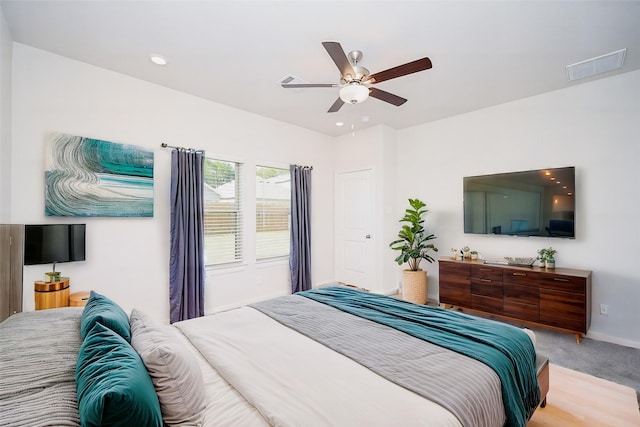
pixel 368 236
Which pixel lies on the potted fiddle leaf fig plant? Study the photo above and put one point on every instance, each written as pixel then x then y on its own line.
pixel 414 245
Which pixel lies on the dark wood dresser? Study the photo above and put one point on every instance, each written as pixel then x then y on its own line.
pixel 558 298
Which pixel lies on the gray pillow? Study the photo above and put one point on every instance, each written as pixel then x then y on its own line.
pixel 173 369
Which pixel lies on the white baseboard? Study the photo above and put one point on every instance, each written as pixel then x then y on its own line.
pixel 598 336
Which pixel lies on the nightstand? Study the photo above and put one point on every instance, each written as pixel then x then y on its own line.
pixel 51 294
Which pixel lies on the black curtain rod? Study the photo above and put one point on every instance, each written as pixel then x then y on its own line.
pixel 165 145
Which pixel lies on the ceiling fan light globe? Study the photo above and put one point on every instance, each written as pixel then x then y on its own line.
pixel 354 93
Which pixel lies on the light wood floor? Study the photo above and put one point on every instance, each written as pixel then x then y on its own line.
pixel 579 400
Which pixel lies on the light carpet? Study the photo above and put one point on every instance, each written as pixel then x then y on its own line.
pixel 598 358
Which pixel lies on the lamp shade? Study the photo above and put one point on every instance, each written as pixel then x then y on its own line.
pixel 354 93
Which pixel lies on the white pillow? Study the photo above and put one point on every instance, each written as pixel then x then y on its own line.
pixel 173 369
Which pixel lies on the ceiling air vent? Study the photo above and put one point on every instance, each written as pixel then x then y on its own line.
pixel 597 65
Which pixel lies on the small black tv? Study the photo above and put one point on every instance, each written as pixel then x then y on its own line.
pixel 53 243
pixel 527 203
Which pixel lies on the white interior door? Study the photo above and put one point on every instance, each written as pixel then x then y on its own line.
pixel 354 225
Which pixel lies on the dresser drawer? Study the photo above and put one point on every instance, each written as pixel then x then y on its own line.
pixel 563 283
pixel 564 310
pixel 486 272
pixel 455 268
pixel 521 294
pixel 521 277
pixel 486 287
pixel 520 311
pixel 456 293
pixel 490 305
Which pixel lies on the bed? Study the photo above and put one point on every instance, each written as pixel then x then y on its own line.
pixel 332 356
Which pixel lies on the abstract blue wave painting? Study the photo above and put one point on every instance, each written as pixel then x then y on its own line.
pixel 90 177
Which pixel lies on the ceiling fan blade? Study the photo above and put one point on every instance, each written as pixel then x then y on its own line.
pixel 299 85
pixel 336 53
pixel 402 70
pixel 386 96
pixel 336 106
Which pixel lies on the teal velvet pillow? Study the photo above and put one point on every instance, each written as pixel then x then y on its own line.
pixel 112 383
pixel 100 309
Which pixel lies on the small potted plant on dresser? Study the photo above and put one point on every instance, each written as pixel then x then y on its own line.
pixel 550 261
pixel 542 257
pixel 413 244
pixel 546 257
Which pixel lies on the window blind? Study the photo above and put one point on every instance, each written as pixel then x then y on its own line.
pixel 223 195
pixel 273 205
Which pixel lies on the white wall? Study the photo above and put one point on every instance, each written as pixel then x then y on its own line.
pixel 127 258
pixel 594 127
pixel 6 44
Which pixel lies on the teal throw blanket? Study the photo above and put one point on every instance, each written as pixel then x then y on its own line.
pixel 506 349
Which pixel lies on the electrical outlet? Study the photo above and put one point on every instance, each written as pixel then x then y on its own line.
pixel 604 309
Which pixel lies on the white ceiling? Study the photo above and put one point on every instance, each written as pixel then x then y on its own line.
pixel 236 52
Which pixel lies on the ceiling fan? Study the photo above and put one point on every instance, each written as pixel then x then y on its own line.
pixel 355 80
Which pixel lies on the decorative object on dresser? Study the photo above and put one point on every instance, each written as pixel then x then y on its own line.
pixel 547 257
pixel 558 299
pixel 414 247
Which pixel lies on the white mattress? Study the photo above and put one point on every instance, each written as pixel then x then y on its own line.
pixel 258 372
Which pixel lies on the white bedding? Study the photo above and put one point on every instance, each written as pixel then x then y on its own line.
pixel 258 372
pixel 225 405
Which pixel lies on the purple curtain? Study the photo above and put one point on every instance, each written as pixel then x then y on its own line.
pixel 186 264
pixel 300 254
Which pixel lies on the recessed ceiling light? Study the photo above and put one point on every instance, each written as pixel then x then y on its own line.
pixel 339 123
pixel 365 119
pixel 158 59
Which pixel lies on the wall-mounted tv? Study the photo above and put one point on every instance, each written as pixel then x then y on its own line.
pixel 53 243
pixel 528 203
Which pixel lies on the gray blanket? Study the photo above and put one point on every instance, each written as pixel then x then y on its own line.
pixel 38 352
pixel 466 387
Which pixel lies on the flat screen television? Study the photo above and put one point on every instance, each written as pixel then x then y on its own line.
pixel 527 203
pixel 53 243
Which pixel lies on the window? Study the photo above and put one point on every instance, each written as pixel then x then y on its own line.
pixel 273 202
pixel 222 212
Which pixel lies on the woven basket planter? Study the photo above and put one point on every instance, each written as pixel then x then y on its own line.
pixel 414 286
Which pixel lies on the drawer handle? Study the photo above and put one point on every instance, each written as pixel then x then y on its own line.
pixel 486 280
pixel 560 279
pixel 519 274
pixel 486 269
